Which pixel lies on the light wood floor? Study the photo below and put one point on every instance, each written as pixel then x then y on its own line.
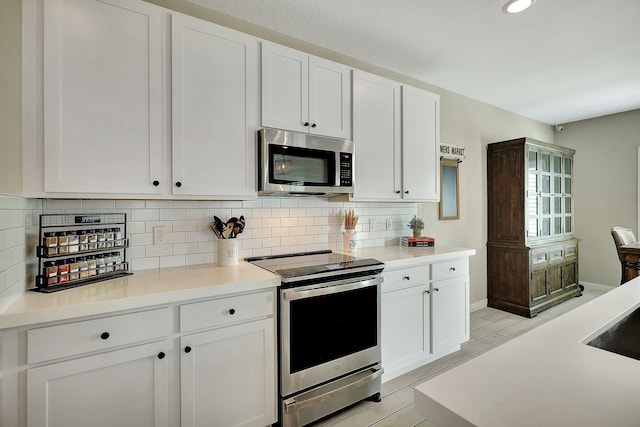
pixel 489 329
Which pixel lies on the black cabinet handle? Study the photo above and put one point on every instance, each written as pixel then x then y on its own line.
pixel 161 355
pixel 156 183
pixel 178 184
pixel 306 123
pixel 406 277
pixel 104 335
pixel 397 191
pixel 406 192
pixel 436 289
pixel 187 349
pixel 313 125
pixel 232 311
pixel 452 269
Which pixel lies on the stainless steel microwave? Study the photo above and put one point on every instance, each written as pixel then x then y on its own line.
pixel 293 163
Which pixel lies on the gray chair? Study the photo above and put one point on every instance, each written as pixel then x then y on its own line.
pixel 622 236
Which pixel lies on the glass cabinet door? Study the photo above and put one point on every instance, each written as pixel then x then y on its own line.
pixel 549 194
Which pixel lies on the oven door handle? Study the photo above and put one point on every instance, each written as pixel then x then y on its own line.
pixel 329 288
pixel 291 405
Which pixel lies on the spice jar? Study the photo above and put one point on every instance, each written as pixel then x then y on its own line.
pixel 83 240
pixel 73 242
pixel 101 266
pixel 91 265
pixel 117 261
pixel 83 268
pixel 109 235
pixel 92 237
pixel 74 273
pixel 102 238
pixel 117 237
pixel 108 261
pixel 51 272
pixel 50 243
pixel 63 242
pixel 63 270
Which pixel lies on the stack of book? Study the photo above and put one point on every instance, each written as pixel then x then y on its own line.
pixel 418 241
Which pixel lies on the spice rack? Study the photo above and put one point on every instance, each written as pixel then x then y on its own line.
pixel 78 249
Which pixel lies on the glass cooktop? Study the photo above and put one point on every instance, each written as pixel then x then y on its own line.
pixel 306 265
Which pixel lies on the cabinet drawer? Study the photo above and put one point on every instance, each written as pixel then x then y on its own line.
pixel 556 255
pixel 221 311
pixel 571 251
pixel 69 339
pixel 404 278
pixel 539 258
pixel 447 269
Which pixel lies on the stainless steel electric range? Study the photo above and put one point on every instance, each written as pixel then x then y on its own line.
pixel 329 332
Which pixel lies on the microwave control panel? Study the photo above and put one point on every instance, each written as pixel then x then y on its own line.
pixel 346 169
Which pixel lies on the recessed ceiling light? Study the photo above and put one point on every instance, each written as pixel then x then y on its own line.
pixel 517 6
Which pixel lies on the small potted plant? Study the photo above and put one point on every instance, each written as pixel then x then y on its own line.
pixel 416 224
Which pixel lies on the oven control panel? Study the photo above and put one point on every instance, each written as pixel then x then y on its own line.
pixel 346 169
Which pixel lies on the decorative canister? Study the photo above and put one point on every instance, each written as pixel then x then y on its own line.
pixel 349 240
pixel 227 252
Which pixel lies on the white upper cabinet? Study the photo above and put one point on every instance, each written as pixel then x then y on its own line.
pixel 397 127
pixel 102 96
pixel 304 93
pixel 376 134
pixel 214 109
pixel 420 145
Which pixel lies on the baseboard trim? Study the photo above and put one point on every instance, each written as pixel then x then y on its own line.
pixel 596 287
pixel 478 305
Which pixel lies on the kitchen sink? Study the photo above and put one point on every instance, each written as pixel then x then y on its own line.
pixel 622 338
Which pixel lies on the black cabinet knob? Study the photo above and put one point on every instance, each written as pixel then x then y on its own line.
pixel 397 191
pixel 161 355
pixel 306 123
pixel 156 183
pixel 406 277
pixel 104 335
pixel 406 192
pixel 313 125
pixel 187 349
pixel 178 184
pixel 232 311
pixel 436 289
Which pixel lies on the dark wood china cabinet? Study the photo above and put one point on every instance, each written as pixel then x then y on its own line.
pixel 532 254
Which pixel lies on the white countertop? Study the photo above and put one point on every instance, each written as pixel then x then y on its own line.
pixel 169 285
pixel 545 377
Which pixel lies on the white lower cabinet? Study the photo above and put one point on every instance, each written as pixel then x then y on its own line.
pixel 140 369
pixel 122 388
pixel 425 314
pixel 228 375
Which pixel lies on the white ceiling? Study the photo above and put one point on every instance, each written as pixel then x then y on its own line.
pixel 558 62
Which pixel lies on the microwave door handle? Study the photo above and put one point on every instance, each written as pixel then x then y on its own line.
pixel 291 405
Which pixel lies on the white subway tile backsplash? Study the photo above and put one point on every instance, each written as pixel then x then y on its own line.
pixel 273 226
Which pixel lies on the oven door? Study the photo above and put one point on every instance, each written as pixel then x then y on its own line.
pixel 328 331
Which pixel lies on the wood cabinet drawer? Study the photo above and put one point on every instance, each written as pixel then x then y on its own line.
pixel 571 252
pixel 70 339
pixel 404 277
pixel 448 269
pixel 556 255
pixel 539 258
pixel 221 311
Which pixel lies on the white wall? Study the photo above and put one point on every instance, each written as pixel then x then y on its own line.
pixel 606 192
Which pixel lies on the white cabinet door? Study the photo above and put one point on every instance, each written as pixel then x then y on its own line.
pixel 102 96
pixel 329 98
pixel 376 134
pixel 124 388
pixel 405 327
pixel 285 83
pixel 304 93
pixel 228 376
pixel 420 145
pixel 214 111
pixel 450 314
